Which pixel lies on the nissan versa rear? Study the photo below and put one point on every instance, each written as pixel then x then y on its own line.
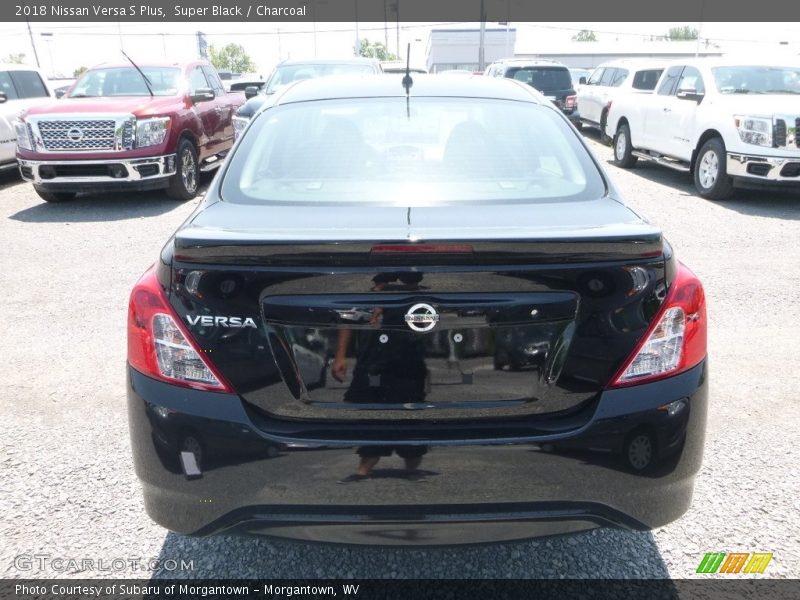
pixel 415 317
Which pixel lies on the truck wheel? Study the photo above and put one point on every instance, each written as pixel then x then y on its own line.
pixel 710 171
pixel 623 156
pixel 183 185
pixel 54 196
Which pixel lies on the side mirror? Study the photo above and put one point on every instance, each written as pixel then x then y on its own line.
pixel 690 94
pixel 3 97
pixel 250 91
pixel 202 95
pixel 582 80
pixel 59 93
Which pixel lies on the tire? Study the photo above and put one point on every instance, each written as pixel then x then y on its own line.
pixel 710 171
pixel 604 137
pixel 55 196
pixel 183 185
pixel 623 150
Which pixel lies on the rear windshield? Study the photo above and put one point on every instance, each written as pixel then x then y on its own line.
pixel 435 150
pixel 544 79
pixel 289 73
pixel 127 81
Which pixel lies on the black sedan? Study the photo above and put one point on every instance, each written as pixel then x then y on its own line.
pixel 415 315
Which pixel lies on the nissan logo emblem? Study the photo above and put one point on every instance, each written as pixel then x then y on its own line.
pixel 75 135
pixel 421 317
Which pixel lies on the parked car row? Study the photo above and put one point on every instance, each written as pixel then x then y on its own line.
pixel 728 122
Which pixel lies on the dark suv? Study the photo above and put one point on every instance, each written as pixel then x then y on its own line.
pixel 549 77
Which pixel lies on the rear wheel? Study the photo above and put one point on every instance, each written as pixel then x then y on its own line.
pixel 710 172
pixel 623 151
pixel 54 196
pixel 183 185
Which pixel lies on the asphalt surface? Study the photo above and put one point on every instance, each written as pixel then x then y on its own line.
pixel 67 487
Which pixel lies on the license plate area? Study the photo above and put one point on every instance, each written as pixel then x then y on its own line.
pixel 345 357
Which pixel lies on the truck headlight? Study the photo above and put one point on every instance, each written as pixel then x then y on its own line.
pixel 24 141
pixel 151 132
pixel 754 130
pixel 239 123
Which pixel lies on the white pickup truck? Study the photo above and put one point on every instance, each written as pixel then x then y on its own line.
pixel 725 121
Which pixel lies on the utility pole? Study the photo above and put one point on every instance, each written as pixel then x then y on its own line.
pixel 398 29
pixel 357 47
pixel 385 27
pixel 48 38
pixel 481 58
pixel 33 45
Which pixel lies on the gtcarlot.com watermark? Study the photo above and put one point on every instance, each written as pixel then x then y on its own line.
pixel 70 564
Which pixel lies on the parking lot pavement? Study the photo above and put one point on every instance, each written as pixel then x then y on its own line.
pixel 67 485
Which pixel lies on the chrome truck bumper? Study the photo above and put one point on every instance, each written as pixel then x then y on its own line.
pixel 80 175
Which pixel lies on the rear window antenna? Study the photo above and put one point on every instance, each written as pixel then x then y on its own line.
pixel 407 81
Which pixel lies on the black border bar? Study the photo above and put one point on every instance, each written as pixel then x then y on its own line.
pixel 710 587
pixel 494 11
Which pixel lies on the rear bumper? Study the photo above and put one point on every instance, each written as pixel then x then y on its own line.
pixel 476 491
pixel 96 175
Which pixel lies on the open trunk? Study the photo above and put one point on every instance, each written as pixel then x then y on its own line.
pixel 496 319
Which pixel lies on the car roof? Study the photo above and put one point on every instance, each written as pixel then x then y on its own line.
pixel 635 64
pixel 530 62
pixel 149 64
pixel 733 60
pixel 366 86
pixel 18 67
pixel 329 61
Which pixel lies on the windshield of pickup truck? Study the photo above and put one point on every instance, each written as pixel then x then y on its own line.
pixel 757 80
pixel 289 73
pixel 127 81
pixel 433 150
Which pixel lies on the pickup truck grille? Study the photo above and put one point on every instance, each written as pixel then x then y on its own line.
pixel 785 132
pixel 88 134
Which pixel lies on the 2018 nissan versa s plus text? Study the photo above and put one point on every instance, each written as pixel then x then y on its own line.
pixel 415 318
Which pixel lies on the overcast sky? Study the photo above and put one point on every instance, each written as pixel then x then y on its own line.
pixel 72 45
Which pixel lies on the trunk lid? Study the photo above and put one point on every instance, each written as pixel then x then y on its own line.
pixel 511 311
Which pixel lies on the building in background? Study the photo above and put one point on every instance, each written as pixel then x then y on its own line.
pixel 457 49
pixel 590 54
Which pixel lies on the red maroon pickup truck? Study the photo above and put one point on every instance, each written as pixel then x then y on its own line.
pixel 126 127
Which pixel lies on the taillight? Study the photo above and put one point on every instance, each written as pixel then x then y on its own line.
pixel 676 341
pixel 159 346
pixel 570 102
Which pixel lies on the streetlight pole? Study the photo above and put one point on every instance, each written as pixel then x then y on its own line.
pixel 48 36
pixel 357 47
pixel 481 57
pixel 33 45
